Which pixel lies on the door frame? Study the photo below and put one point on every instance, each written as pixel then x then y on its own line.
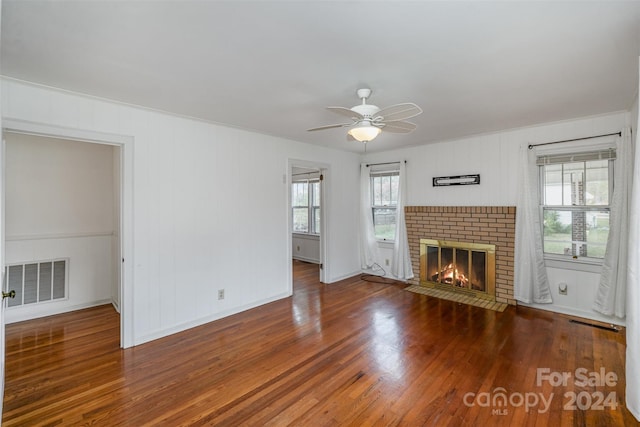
pixel 324 217
pixel 125 143
pixel 2 258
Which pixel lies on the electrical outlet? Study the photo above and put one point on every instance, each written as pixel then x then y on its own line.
pixel 562 288
pixel 386 262
pixel 220 293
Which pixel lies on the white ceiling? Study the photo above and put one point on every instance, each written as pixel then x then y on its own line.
pixel 272 67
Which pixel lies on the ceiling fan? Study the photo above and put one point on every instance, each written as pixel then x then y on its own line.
pixel 369 120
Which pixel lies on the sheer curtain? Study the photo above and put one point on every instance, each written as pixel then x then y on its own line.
pixel 401 261
pixel 531 284
pixel 368 243
pixel 611 296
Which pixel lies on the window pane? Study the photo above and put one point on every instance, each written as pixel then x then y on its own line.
pixel 395 180
pixel 597 233
pixel 597 191
pixel 376 188
pixel 553 185
pixel 557 232
pixel 315 187
pixel 316 220
pixel 384 223
pixel 300 194
pixel 305 203
pixel 384 198
pixel 301 220
pixel 386 190
pixel 573 189
pixel 578 232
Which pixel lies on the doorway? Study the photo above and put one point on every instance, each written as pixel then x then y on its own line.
pixel 62 216
pixel 306 210
pixel 121 248
pixel 307 215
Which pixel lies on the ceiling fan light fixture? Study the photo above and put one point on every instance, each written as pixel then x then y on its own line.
pixel 364 132
pixel 367 120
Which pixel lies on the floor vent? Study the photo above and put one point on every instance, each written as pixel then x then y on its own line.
pixel 610 327
pixel 36 282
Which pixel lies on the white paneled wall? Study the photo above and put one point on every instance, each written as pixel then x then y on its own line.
pixel 495 157
pixel 306 247
pixel 200 222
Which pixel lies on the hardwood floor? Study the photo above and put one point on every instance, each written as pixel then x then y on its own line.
pixel 350 353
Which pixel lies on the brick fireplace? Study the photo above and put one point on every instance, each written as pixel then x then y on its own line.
pixel 490 225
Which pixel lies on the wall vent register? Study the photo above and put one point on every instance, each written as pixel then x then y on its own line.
pixel 36 282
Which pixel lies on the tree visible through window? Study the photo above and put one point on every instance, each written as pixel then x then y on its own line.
pixel 576 194
pixel 384 200
pixel 305 201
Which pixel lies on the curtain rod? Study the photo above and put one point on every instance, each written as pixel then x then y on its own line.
pixel 387 163
pixel 576 139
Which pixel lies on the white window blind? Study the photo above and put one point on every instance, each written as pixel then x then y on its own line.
pixel 609 154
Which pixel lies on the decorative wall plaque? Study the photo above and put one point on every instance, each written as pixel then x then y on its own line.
pixel 441 181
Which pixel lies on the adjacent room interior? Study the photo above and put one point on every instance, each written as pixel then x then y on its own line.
pixel 62 201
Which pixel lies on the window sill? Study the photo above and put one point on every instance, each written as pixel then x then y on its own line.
pixel 309 236
pixel 587 265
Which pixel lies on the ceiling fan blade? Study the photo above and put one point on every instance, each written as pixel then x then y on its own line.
pixel 346 112
pixel 329 127
pixel 399 112
pixel 398 126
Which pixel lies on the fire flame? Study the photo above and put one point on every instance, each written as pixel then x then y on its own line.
pixel 452 276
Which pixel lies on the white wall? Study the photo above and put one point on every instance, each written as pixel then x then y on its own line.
pixel 59 197
pixel 200 222
pixel 495 158
pixel 306 247
pixel 57 186
pixel 633 116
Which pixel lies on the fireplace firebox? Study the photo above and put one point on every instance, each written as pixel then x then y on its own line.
pixel 463 267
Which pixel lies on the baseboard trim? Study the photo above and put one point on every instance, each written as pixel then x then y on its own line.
pixel 198 322
pixel 344 276
pixel 11 316
pixel 576 313
pixel 305 259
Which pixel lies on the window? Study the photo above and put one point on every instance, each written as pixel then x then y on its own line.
pixel 384 199
pixel 575 194
pixel 305 201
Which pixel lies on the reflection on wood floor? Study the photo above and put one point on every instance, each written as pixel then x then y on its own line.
pixel 349 353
